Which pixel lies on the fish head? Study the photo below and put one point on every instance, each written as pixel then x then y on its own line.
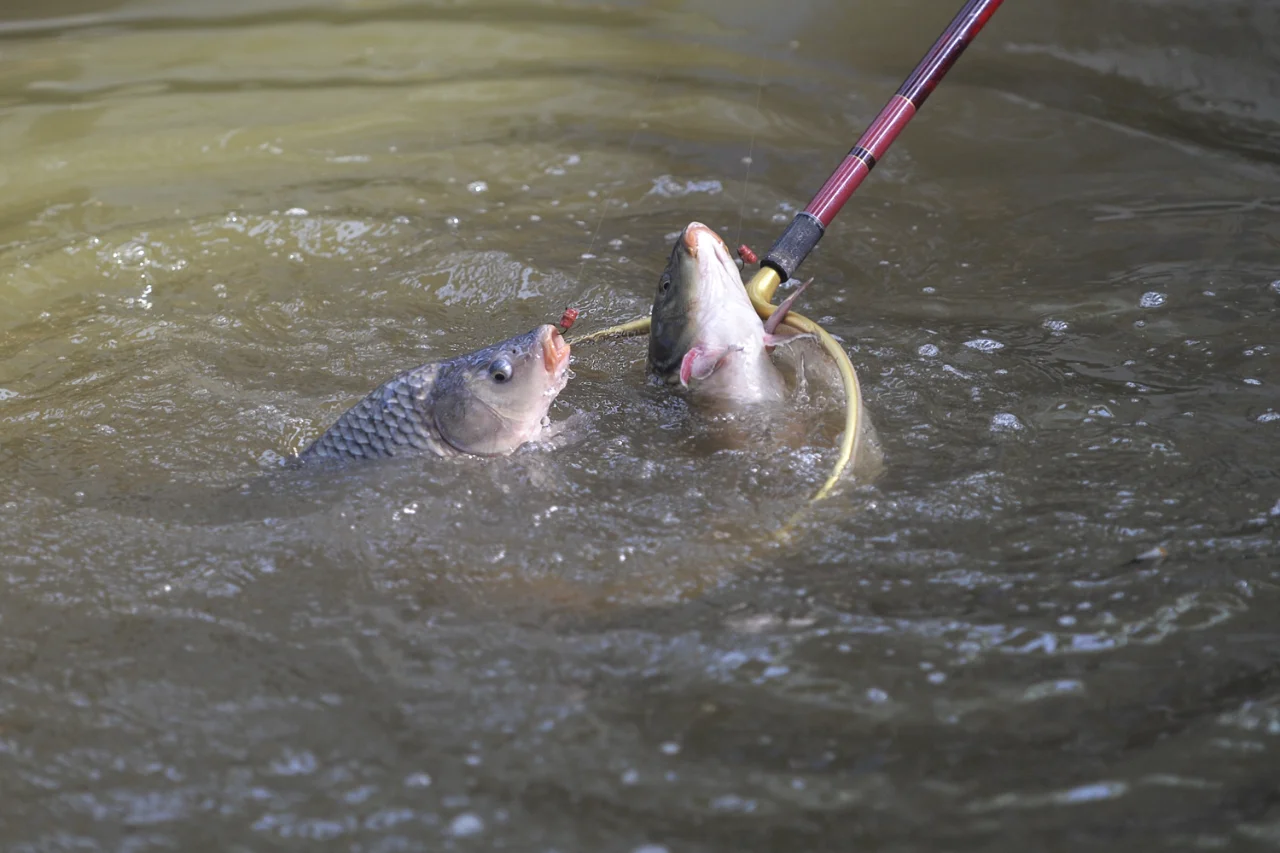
pixel 700 302
pixel 491 401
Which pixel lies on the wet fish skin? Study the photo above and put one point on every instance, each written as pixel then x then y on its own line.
pixel 704 332
pixel 394 417
pixel 484 403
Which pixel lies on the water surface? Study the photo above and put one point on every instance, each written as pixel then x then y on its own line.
pixel 220 224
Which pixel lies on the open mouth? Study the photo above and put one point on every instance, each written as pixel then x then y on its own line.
pixel 555 351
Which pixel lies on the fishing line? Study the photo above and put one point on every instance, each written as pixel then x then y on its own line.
pixel 605 197
pixel 751 150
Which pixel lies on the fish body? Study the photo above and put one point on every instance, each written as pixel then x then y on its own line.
pixel 704 332
pixel 485 403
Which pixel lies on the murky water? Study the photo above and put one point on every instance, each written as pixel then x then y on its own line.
pixel 221 223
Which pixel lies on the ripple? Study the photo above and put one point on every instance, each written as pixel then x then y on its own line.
pixel 669 187
pixel 1088 793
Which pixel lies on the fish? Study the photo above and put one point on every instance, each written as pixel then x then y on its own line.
pixel 705 334
pixel 486 403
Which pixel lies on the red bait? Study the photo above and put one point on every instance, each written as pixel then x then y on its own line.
pixel 567 319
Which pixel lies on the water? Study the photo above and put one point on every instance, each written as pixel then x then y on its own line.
pixel 222 223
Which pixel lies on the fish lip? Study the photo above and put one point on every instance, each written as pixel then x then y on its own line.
pixel 555 350
pixel 690 239
pixel 695 231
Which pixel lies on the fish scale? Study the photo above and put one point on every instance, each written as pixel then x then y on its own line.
pixel 394 416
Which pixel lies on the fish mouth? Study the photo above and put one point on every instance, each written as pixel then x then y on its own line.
pixel 696 236
pixel 555 350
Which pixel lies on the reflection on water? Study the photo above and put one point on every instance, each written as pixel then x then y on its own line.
pixel 222 224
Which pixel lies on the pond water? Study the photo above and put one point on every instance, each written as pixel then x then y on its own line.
pixel 221 223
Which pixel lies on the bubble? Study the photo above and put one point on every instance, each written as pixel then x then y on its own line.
pixel 875 694
pixel 1268 417
pixel 466 824
pixel 928 351
pixel 1055 325
pixel 1152 299
pixel 452 221
pixel 478 187
pixel 670 748
pixel 296 211
pixel 6 394
pixel 418 780
pixel 1005 422
pixel 732 803
pixel 1275 286
pixel 984 344
pixel 271 459
pixel 294 764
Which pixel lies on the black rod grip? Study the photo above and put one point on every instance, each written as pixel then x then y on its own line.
pixel 794 245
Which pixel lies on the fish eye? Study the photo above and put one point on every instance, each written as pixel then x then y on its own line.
pixel 665 283
pixel 500 370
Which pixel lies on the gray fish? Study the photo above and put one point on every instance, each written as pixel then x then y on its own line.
pixel 704 332
pixel 485 403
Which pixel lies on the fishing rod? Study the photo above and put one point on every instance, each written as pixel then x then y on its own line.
pixel 807 227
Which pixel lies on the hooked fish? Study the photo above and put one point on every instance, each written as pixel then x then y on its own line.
pixel 704 329
pixel 705 334
pixel 485 403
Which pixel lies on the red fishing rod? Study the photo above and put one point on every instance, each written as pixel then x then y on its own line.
pixel 808 226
